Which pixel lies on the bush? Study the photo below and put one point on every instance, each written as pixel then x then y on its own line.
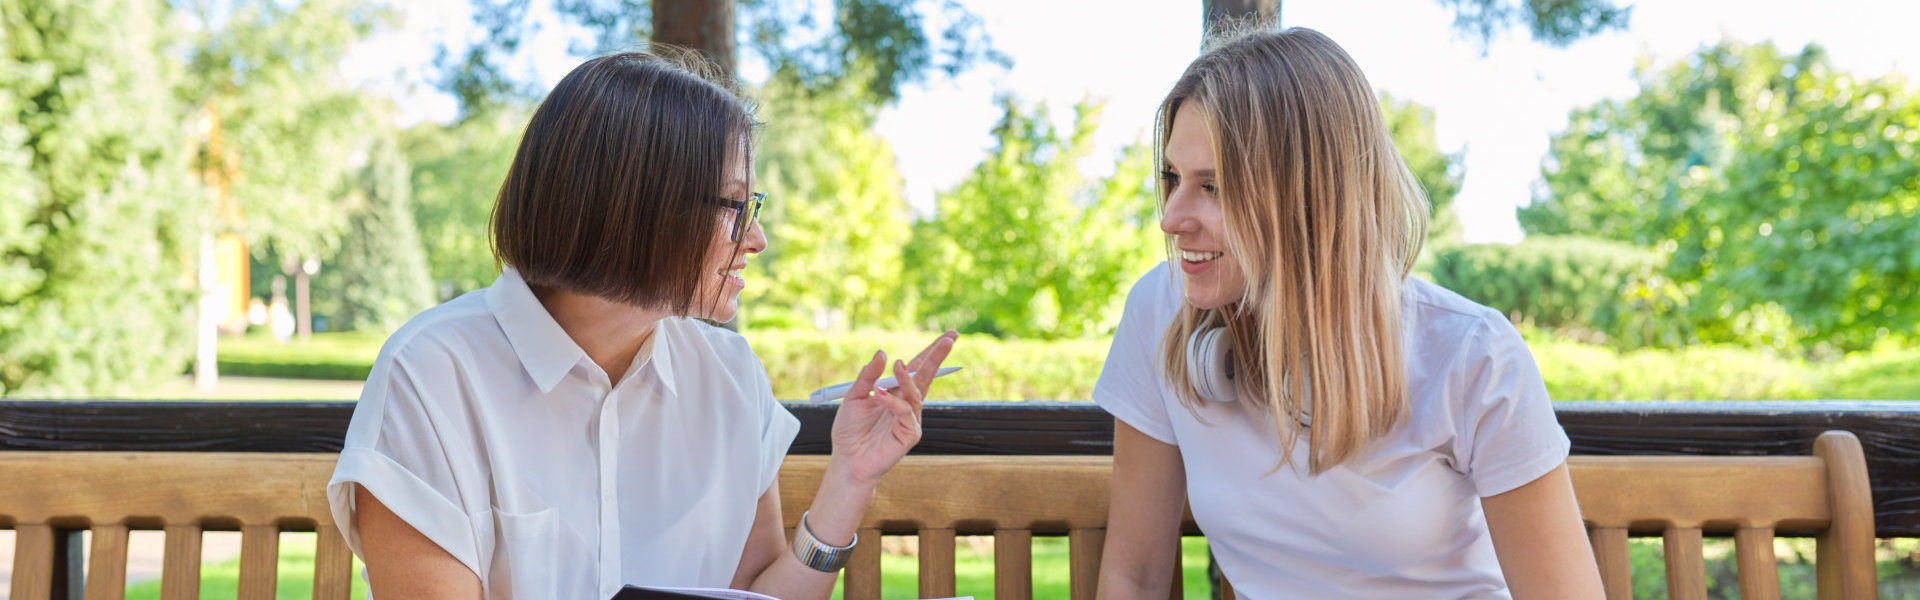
pixel 799 362
pixel 1608 291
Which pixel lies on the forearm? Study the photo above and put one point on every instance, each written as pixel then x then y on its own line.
pixel 833 518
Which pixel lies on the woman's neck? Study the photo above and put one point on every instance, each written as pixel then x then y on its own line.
pixel 609 332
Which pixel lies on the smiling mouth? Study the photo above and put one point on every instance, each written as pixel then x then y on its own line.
pixel 1199 257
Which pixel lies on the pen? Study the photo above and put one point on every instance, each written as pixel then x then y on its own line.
pixel 836 391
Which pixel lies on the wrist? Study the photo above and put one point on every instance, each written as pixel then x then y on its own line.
pixel 841 472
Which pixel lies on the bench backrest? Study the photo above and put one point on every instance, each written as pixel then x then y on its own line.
pixel 933 497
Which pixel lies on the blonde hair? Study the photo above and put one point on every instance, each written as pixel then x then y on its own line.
pixel 1325 221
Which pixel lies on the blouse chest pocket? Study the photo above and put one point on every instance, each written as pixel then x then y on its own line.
pixel 524 556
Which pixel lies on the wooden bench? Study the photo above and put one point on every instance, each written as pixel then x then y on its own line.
pixel 936 498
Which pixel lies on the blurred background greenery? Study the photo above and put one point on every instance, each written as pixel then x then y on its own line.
pixel 1743 227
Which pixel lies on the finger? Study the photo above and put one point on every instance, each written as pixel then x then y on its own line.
pixel 921 358
pixel 863 384
pixel 938 352
pixel 913 394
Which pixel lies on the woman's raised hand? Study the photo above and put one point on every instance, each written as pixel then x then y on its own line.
pixel 875 427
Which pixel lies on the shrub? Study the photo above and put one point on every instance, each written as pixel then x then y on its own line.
pixel 1607 291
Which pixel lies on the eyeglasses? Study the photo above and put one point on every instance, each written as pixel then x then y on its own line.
pixel 745 212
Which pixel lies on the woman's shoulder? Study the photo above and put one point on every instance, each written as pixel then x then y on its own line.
pixel 465 324
pixel 1437 315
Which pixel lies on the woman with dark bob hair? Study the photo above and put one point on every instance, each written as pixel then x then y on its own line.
pixel 573 428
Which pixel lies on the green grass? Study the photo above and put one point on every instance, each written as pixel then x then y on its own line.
pixel 295 580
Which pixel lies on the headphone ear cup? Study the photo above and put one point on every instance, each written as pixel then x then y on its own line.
pixel 1209 362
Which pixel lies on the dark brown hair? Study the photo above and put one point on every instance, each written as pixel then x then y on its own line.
pixel 612 192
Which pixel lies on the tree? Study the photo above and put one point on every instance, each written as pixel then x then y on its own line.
pixel 883 43
pixel 263 74
pixel 457 172
pixel 380 272
pixel 1439 173
pixel 97 216
pixel 1551 22
pixel 1783 191
pixel 1025 246
pixel 836 218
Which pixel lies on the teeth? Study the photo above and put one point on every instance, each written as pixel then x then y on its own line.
pixel 1199 256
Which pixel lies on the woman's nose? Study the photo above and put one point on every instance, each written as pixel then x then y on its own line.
pixel 756 240
pixel 1178 217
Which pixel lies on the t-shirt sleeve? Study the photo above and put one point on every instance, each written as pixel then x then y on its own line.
pixel 1129 385
pixel 777 430
pixel 1506 432
pixel 394 449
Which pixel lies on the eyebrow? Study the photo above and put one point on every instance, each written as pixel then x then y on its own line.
pixel 1200 174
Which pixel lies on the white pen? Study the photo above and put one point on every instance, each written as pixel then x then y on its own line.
pixel 836 391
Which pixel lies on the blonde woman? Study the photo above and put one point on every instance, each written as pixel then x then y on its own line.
pixel 1340 429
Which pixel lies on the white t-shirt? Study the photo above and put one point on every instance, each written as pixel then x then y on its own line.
pixel 487 429
pixel 1403 520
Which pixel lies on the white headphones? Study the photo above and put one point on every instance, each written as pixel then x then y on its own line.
pixel 1210 363
pixel 1210 366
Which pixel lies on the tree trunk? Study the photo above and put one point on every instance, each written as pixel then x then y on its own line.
pixel 706 26
pixel 1216 12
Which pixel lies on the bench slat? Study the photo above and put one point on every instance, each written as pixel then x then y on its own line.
pixel 936 563
pixel 1013 564
pixel 333 565
pixel 180 566
pixel 259 558
pixel 1686 568
pixel 32 561
pixel 863 568
pixel 1084 546
pixel 1759 574
pixel 1610 552
pixel 107 563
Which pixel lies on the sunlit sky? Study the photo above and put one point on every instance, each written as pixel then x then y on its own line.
pixel 1500 106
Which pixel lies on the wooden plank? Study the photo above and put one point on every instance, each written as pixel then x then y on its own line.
pixel 1057 493
pixel 1757 566
pixel 180 566
pixel 333 564
pixel 1610 552
pixel 1013 564
pixel 1596 428
pixel 107 565
pixel 1226 588
pixel 862 578
pixel 259 561
pixel 936 563
pixel 173 487
pixel 32 560
pixel 1643 493
pixel 1686 567
pixel 1084 546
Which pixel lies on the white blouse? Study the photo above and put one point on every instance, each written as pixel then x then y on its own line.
pixel 1403 520
pixel 487 429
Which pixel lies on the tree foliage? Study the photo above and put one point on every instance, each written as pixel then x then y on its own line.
pixel 457 172
pixel 1439 173
pixel 1785 191
pixel 835 217
pixel 881 44
pixel 97 216
pixel 380 273
pixel 1024 246
pixel 282 129
pixel 1550 22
